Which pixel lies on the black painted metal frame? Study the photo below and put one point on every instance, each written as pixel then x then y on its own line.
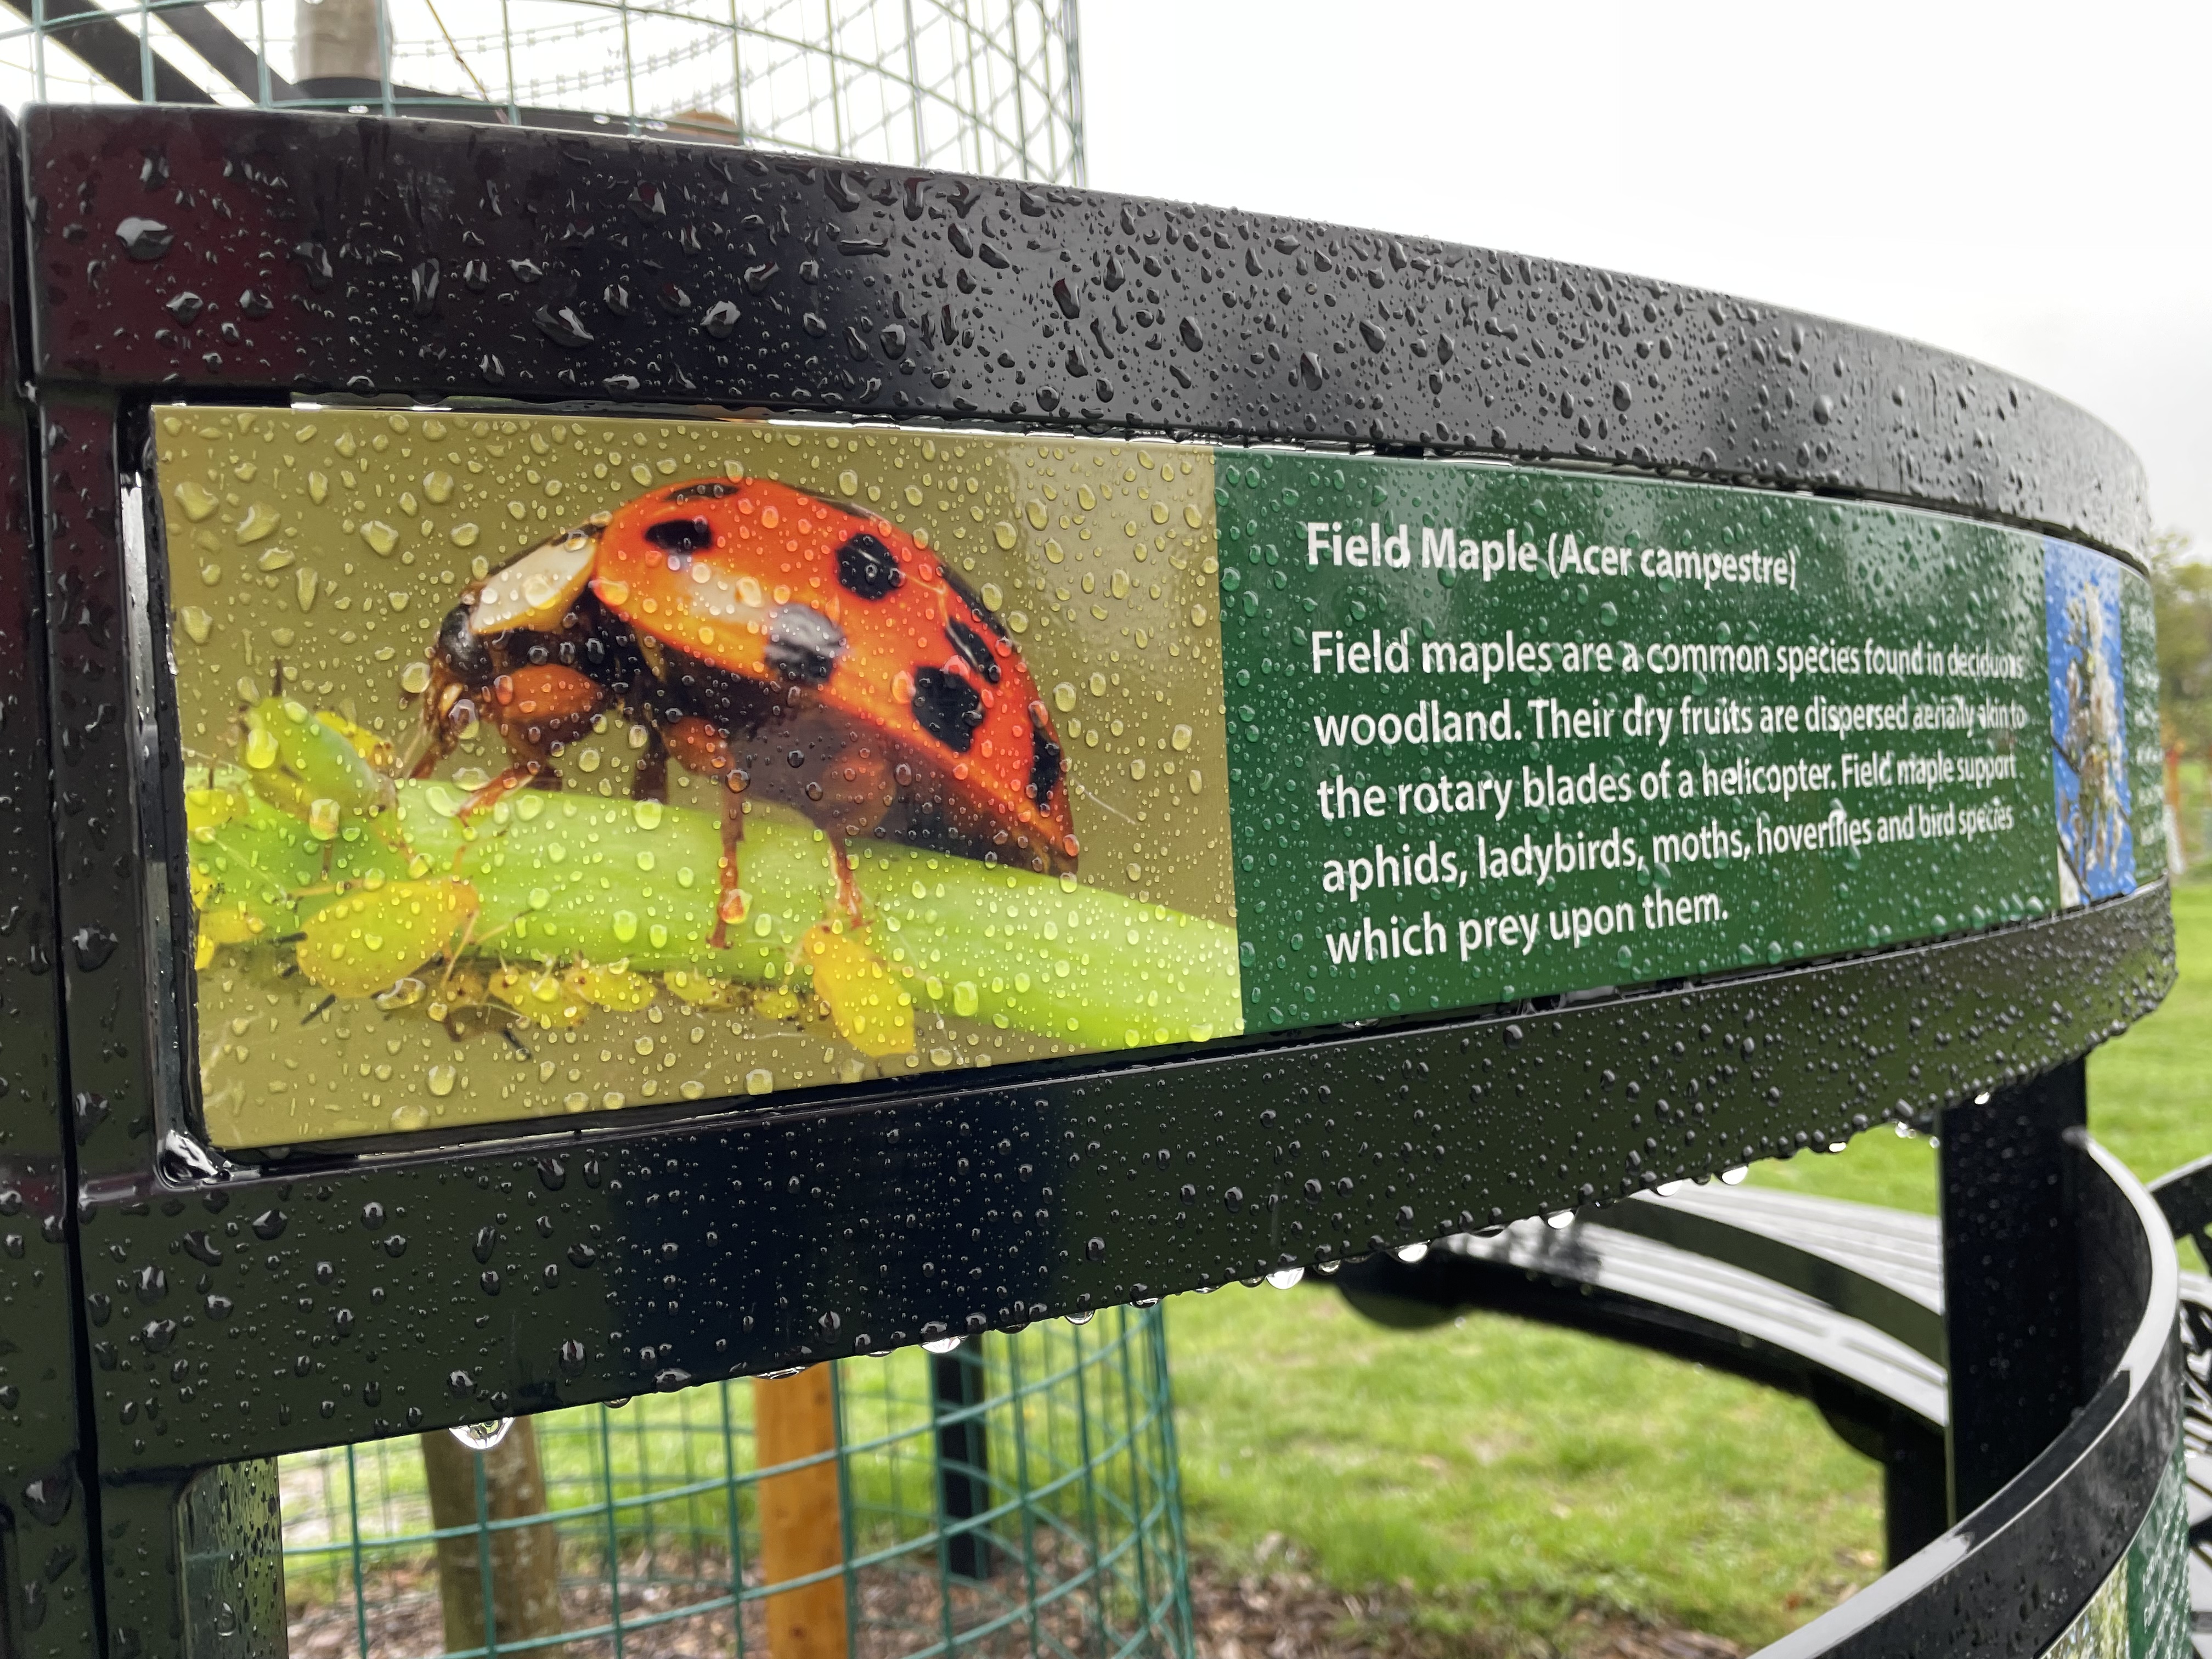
pixel 2044 1510
pixel 225 1312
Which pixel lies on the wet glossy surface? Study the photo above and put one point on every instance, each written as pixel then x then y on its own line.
pixel 233 1312
pixel 238 248
pixel 308 1305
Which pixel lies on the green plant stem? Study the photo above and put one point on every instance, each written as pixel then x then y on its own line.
pixel 566 875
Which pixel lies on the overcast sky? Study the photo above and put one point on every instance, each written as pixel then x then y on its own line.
pixel 2029 184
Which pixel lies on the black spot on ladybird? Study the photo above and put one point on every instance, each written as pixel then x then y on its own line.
pixel 984 614
pixel 949 708
pixel 866 567
pixel 970 644
pixel 1044 762
pixel 803 644
pixel 681 535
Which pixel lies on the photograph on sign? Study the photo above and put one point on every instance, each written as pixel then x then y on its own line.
pixel 543 765
pixel 2088 724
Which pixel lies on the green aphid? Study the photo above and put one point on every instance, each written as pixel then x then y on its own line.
pixel 303 763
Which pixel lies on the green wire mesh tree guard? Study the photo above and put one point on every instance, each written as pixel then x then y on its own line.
pixel 1057 1442
pixel 981 86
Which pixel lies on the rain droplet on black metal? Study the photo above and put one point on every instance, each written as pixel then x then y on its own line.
pixel 144 239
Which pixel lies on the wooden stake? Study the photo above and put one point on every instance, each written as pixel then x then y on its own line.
pixel 525 1561
pixel 801 1522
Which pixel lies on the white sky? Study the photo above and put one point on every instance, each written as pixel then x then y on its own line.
pixel 2030 184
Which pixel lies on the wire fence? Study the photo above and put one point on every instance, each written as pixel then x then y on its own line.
pixel 981 86
pixel 1018 1495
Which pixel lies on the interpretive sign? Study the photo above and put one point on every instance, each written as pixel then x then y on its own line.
pixel 540 764
pixel 1501 733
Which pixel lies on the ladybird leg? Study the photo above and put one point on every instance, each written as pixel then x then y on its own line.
pixel 857 791
pixel 529 774
pixel 434 734
pixel 650 780
pixel 730 904
pixel 848 889
pixel 453 954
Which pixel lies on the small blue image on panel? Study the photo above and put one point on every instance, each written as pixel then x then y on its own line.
pixel 2088 724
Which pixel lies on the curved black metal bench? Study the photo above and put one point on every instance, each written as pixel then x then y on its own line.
pixel 174 1284
pixel 1843 1303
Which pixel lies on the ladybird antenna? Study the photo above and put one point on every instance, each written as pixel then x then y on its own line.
pixel 276 678
pixel 1107 804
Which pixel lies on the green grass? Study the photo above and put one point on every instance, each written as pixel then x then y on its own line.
pixel 1512 1472
pixel 1510 1475
pixel 2150 1093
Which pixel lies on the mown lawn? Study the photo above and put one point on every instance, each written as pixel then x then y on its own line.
pixel 1507 1476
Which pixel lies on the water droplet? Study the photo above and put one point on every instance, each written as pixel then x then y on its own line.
pixel 197 500
pixel 759 1080
pixel 1064 695
pixel 411 1116
pixel 441 1079
pixel 197 623
pixel 1006 534
pixel 259 523
pixel 646 814
pixel 414 678
pixel 848 483
pixel 438 486
pixel 379 536
pixel 144 239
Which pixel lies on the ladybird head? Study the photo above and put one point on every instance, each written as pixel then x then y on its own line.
pixel 534 593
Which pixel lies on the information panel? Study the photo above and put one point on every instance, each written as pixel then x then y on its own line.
pixel 547 764
pixel 1501 733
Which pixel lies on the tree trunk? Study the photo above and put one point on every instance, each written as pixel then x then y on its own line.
pixel 801 1525
pixel 524 1562
pixel 336 38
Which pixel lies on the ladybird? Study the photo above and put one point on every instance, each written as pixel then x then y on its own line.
pixel 519 653
pixel 788 646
